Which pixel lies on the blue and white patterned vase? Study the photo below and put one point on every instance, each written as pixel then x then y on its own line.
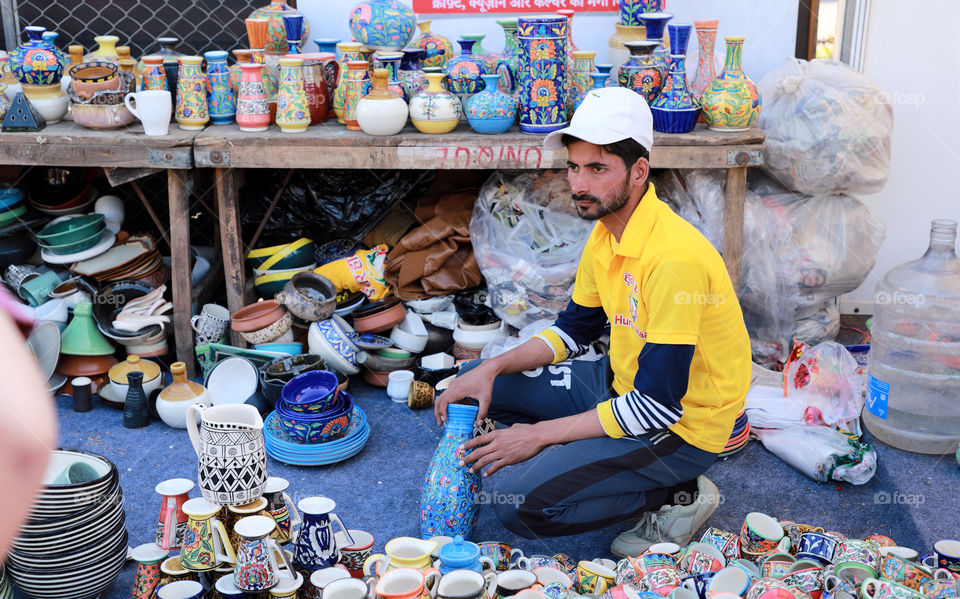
pixel 221 100
pixel 391 62
pixel 50 37
pixel 491 111
pixel 643 72
pixel 450 501
pixel 411 74
pixel 293 24
pixel 543 68
pixel 36 62
pixel 676 110
pixel 316 544
pixel 655 23
pixel 465 72
pixel 382 24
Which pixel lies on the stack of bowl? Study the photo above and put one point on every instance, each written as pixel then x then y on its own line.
pixel 312 409
pixel 72 235
pixel 288 450
pixel 96 93
pixel 109 301
pixel 75 542
pixel 335 341
pixel 275 265
pixel 263 322
pixel 274 375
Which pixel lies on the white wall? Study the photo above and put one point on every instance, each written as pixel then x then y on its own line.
pixel 769 26
pixel 926 134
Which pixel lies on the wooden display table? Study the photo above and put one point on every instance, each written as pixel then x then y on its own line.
pixel 331 145
pixel 130 154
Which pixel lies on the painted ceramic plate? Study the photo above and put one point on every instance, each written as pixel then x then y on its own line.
pixel 370 341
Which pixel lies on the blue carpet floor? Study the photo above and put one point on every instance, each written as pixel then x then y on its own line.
pixel 378 490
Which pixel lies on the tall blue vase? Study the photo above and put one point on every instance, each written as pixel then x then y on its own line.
pixel 221 100
pixel 676 109
pixel 450 501
pixel 543 68
pixel 656 22
pixel 293 24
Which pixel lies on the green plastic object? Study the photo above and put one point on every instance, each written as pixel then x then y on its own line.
pixel 82 337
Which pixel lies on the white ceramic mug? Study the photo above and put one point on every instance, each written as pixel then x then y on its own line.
pixel 398 385
pixel 211 324
pixel 153 108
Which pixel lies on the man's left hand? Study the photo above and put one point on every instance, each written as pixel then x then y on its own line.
pixel 501 448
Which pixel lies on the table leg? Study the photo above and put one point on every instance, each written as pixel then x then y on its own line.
pixel 734 194
pixel 231 243
pixel 180 267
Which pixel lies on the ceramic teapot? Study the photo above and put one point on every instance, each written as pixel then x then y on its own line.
pixel 462 555
pixel 230 449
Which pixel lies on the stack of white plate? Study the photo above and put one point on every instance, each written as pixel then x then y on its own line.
pixel 75 542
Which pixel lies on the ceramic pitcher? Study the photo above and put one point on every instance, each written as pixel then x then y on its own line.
pixel 172 521
pixel 205 542
pixel 401 552
pixel 257 567
pixel 316 546
pixel 232 458
pixel 281 508
pixel 147 578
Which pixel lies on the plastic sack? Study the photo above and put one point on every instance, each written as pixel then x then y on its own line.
pixel 325 204
pixel 821 453
pixel 527 248
pixel 825 377
pixel 800 254
pixel 363 271
pixel 827 126
pixel 696 195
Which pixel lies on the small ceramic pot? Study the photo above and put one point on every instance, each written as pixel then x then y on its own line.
pixel 379 316
pixel 270 333
pixel 90 77
pixel 256 316
pixel 309 297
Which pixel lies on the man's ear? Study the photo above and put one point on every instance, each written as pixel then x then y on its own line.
pixel 640 172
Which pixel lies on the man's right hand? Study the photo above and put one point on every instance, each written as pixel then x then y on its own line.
pixel 478 384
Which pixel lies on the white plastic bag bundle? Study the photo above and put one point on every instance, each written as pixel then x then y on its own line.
pixel 821 453
pixel 527 245
pixel 696 195
pixel 828 128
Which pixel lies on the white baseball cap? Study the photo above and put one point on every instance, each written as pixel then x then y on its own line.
pixel 608 115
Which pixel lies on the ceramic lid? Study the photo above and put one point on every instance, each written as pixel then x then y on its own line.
pixel 148 553
pixel 174 486
pixel 459 553
pixel 254 527
pixel 198 506
pixel 118 373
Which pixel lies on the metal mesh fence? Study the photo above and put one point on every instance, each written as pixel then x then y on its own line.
pixel 201 25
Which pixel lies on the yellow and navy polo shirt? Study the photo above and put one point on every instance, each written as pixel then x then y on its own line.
pixel 663 284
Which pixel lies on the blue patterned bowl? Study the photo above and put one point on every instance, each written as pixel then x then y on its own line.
pixel 674 121
pixel 315 428
pixel 313 392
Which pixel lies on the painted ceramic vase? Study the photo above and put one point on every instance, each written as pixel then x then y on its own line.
pixel 580 80
pixel 490 59
pixel 50 37
pixel 327 44
pixel 276 42
pixel 316 544
pixel 357 85
pixel 192 112
pixel 205 541
pixel 319 73
pixel 253 112
pixel 435 110
pixel 617 52
pixel 221 100
pixel 382 24
pixel 630 10
pixel 257 567
pixel 35 62
pixel 135 413
pixel 600 81
pixel 349 51
pixel 382 111
pixel 293 27
pixel 731 102
pixel 390 61
pixel 169 56
pixel 568 13
pixel 676 110
pixel 437 49
pixel 48 100
pixel 449 504
pixel 706 65
pixel 509 68
pixel 543 67
pixel 644 73
pixel 106 49
pixel 655 24
pixel 464 72
pixel 240 56
pixel 412 77
pixel 491 110
pixel 154 75
pixel 293 112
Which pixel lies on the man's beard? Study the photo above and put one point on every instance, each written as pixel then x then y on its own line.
pixel 618 202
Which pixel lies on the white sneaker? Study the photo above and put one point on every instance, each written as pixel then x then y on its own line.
pixel 670 524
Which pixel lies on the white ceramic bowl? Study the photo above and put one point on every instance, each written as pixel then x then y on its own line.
pixel 411 334
pixel 231 381
pixel 476 337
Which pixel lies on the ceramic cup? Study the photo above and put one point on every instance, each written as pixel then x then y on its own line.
pixel 17 274
pixel 594 578
pixel 660 581
pixel 407 583
pixel 885 589
pixel 210 324
pixel 941 586
pixel 768 588
pixel 467 584
pixel 653 561
pixel 697 558
pixel 347 588
pixel 321 579
pixel 511 582
pixel 699 583
pixel 172 571
pixel 420 396
pixel 82 395
pixel 398 385
pixel 776 565
pixel 182 589
pixel 227 589
pixel 835 587
pixel 727 542
pixel 37 289
pixel 760 533
pixel 546 575
pixel 902 571
pixel 729 580
pixel 353 555
pixel 817 546
pixel 806 576
pixel 501 553
pixel 905 552
pixel 153 108
pixel 946 555
pixel 860 552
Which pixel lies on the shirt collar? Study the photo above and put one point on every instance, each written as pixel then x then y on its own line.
pixel 637 231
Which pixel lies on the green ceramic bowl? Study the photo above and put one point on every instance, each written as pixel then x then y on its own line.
pixel 396 354
pixel 11 215
pixel 74 246
pixel 295 254
pixel 71 230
